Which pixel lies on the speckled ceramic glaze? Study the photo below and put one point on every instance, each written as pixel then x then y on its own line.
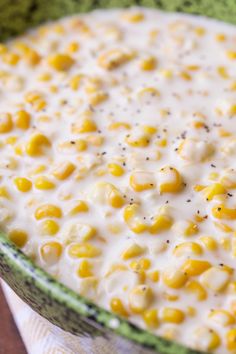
pixel 45 295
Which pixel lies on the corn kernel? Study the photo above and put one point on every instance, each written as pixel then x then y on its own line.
pixel 48 211
pixel 18 237
pixel 133 222
pixel 133 17
pixel 187 248
pixel 23 184
pixel 222 317
pixel 214 190
pixel 150 318
pixel 141 181
pixel 170 180
pixel 118 307
pixel 86 126
pixel 140 298
pixel 37 144
pixel 84 250
pixel 113 58
pixel 174 278
pixel 195 288
pixel 193 267
pixel 51 252
pixel 60 62
pixel 222 212
pixel 43 183
pixel 231 339
pixel 115 169
pixel 160 223
pixel 148 64
pixel 154 276
pixel 6 124
pixel 85 269
pixel 80 207
pixel 64 170
pixel 11 58
pixel 49 227
pixel 97 97
pixel 231 54
pixel 209 242
pixel 22 120
pixel 215 279
pixel 207 339
pixel 172 315
pixel 133 251
pixel 4 192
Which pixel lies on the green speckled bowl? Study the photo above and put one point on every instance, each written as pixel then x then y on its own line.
pixel 49 298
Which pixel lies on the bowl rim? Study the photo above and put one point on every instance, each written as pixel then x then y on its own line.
pixel 86 309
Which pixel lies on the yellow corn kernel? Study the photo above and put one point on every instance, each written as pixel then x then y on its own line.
pixel 119 125
pixel 213 176
pixel 23 184
pixel 114 197
pixel 174 278
pixel 131 219
pixel 11 140
pixel 170 180
pixel 36 100
pixel 64 170
pixel 220 211
pixel 215 278
pixel 60 62
pixel 3 48
pixel 37 144
pixel 141 264
pixel 195 288
pixel 115 169
pixel 48 211
pixel 207 339
pixel 214 190
pixel 220 37
pixel 140 298
pixel 187 248
pixel 185 76
pixel 6 124
pixel 43 183
pixel 133 17
pixel 4 192
pixel 75 82
pixel 18 237
pixel 209 242
pixel 133 251
pixel 51 252
pixel 38 169
pixel 223 227
pixel 86 126
pixel 73 47
pixel 49 227
pixel 22 120
pixel 31 57
pixel 231 54
pixel 222 71
pixel 148 64
pixel 118 307
pixel 228 180
pixel 11 58
pixel 97 97
pixel 200 31
pixel 193 267
pixel 148 91
pixel 150 318
pixel 231 339
pixel 137 142
pixel 172 315
pixel 114 58
pixel 191 229
pixel 141 181
pixel 80 231
pixel 80 207
pixel 149 129
pixel 154 276
pixel 199 187
pixel 44 77
pixel 85 269
pixel 84 250
pixel 222 317
pixel 160 223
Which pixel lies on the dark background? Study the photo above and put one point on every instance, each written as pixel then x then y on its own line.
pixel 10 341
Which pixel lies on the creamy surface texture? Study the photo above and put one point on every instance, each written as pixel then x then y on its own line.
pixel 118 165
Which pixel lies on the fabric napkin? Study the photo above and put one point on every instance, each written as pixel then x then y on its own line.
pixel 41 337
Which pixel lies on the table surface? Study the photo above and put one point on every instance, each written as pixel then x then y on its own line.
pixel 10 341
